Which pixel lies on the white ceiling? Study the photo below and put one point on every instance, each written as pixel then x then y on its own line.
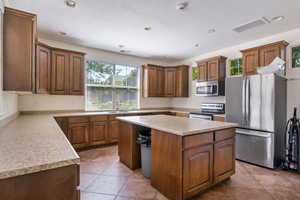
pixel 104 24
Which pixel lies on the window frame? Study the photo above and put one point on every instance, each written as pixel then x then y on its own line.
pixel 241 66
pixel 291 56
pixel 113 86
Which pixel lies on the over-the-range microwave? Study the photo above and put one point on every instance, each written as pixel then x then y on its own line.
pixel 210 88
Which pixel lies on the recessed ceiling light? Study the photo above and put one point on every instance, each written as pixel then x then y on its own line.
pixel 70 3
pixel 147 28
pixel 62 33
pixel 121 46
pixel 277 18
pixel 211 30
pixel 197 45
pixel 182 5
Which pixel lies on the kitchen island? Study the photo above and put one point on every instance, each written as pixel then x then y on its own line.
pixel 188 155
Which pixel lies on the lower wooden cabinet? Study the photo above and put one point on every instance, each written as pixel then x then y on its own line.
pixel 178 114
pixel 113 131
pixel 98 133
pixel 78 134
pixel 224 160
pixel 197 169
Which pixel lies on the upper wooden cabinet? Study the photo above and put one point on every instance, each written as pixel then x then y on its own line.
pixel 19 36
pixel 212 69
pixel 165 81
pixel 262 55
pixel 76 74
pixel 43 69
pixel 170 82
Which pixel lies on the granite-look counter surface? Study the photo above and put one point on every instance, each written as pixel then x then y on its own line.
pixel 33 143
pixel 177 125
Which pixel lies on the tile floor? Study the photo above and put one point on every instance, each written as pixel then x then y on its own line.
pixel 103 177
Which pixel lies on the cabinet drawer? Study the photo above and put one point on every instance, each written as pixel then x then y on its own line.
pixel 198 140
pixel 98 118
pixel 78 119
pixel 224 134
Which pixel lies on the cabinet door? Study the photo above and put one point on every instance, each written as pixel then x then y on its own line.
pixel 152 81
pixel 202 70
pixel 170 82
pixel 160 82
pixel 76 74
pixel 43 69
pixel 224 160
pixel 19 34
pixel 182 82
pixel 60 72
pixel 63 124
pixel 98 133
pixel 78 134
pixel 250 62
pixel 113 131
pixel 213 70
pixel 197 169
pixel 268 54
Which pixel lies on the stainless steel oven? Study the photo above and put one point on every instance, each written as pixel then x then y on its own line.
pixel 210 88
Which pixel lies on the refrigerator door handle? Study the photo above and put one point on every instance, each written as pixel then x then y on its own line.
pixel 247 109
pixel 254 133
pixel 244 99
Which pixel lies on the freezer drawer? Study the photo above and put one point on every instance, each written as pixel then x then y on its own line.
pixel 255 147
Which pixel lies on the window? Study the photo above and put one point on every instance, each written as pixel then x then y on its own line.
pixel 296 56
pixel 236 67
pixel 111 86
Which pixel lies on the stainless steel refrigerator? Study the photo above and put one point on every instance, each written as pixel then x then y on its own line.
pixel 258 104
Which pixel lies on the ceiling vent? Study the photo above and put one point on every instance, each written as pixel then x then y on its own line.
pixel 251 25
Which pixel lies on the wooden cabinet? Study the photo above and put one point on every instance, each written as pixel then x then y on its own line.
pixel 212 69
pixel 76 74
pixel 160 81
pixel 63 124
pixel 98 133
pixel 182 81
pixel 224 160
pixel 78 134
pixel 60 72
pixel 197 169
pixel 170 82
pixel 43 69
pixel 113 131
pixel 179 114
pixel 165 81
pixel 219 118
pixel 19 36
pixel 262 55
pixel 67 77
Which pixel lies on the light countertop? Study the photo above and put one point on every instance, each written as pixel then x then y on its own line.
pixel 177 125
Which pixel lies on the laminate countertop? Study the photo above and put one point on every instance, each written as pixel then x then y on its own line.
pixel 34 142
pixel 177 125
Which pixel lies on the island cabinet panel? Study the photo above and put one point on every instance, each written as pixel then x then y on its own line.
pixel 166 166
pixel 43 69
pixel 224 160
pixel 98 133
pixel 129 150
pixel 78 134
pixel 197 170
pixel 59 184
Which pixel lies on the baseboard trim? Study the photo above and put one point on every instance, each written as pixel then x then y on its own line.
pixel 8 119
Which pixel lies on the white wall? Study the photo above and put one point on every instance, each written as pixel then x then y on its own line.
pixel 34 102
pixel 8 102
pixel 293 96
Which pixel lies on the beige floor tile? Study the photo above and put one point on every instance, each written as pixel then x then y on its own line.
pixel 94 196
pixel 86 179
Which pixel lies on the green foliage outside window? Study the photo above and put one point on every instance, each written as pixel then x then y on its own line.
pixel 236 66
pixel 194 73
pixel 296 56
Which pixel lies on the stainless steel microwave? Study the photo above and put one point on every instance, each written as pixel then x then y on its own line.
pixel 210 88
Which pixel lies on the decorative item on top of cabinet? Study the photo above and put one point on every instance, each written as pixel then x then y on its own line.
pixel 43 69
pixel 262 55
pixel 212 69
pixel 19 36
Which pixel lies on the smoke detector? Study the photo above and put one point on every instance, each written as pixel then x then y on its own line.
pixel 70 3
pixel 181 6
